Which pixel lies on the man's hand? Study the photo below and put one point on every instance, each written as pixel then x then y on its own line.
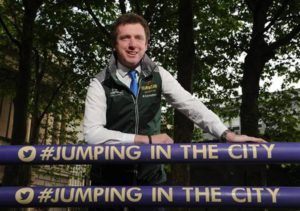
pixel 156 139
pixel 233 137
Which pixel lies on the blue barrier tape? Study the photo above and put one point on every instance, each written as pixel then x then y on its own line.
pixel 203 152
pixel 193 196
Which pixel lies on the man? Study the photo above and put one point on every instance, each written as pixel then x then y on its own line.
pixel 118 113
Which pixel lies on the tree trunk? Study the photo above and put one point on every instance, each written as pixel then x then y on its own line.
pixel 36 114
pixel 252 70
pixel 183 129
pixel 20 174
pixel 122 6
pixel 253 174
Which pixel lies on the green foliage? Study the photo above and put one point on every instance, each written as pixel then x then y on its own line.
pixel 218 50
pixel 8 49
pixel 167 123
pixel 197 135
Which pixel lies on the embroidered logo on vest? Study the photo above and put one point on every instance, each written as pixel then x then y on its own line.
pixel 116 92
pixel 149 89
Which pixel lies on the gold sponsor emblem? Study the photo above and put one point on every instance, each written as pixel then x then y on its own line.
pixel 149 87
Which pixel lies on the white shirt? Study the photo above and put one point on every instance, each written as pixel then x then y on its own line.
pixel 95 109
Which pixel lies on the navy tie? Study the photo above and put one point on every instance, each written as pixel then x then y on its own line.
pixel 134 82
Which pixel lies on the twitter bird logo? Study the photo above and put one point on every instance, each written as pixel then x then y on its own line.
pixel 24 195
pixel 27 153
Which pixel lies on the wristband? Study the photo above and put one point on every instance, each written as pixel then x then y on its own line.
pixel 150 139
pixel 224 134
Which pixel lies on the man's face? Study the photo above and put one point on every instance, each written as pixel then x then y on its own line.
pixel 131 44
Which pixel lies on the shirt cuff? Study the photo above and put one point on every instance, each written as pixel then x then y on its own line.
pixel 220 130
pixel 128 138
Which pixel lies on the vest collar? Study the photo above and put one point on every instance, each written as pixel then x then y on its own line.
pixel 147 66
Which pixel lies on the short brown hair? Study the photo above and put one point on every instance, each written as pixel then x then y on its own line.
pixel 129 18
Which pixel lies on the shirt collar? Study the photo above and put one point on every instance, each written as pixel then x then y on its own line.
pixel 123 71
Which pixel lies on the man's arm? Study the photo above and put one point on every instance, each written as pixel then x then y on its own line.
pixel 195 110
pixel 190 106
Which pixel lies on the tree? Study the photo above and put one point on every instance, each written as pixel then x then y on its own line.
pixel 54 68
pixel 225 34
pixel 269 19
pixel 22 92
pixel 183 127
